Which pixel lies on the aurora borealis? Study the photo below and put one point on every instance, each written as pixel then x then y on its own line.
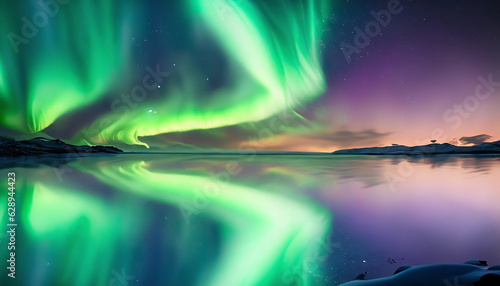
pixel 275 62
pixel 55 70
pixel 224 69
pixel 227 219
pixel 215 85
pixel 214 74
pixel 193 220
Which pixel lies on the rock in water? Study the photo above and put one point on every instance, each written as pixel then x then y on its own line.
pixel 471 273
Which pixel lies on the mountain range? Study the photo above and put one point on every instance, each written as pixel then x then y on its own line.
pixel 430 149
pixel 42 146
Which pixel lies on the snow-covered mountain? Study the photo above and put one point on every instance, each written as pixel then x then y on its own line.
pixel 431 149
pixel 42 146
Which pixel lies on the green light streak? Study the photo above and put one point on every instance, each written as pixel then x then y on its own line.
pixel 273 49
pixel 253 235
pixel 259 227
pixel 68 63
pixel 62 76
pixel 12 113
pixel 78 220
pixel 82 55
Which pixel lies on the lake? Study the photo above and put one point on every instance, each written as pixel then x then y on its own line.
pixel 180 219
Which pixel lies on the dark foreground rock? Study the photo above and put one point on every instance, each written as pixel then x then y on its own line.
pixel 431 149
pixel 470 273
pixel 42 146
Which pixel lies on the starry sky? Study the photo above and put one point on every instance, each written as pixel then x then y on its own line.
pixel 232 74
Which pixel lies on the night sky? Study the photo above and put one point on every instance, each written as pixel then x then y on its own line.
pixel 270 75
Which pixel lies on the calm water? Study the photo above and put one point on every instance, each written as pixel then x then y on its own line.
pixel 247 220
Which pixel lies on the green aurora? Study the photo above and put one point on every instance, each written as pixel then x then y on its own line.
pixel 74 224
pixel 53 65
pixel 81 54
pixel 82 57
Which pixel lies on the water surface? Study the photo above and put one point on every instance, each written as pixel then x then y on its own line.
pixel 248 220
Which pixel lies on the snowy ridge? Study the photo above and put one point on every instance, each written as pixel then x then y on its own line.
pixel 431 149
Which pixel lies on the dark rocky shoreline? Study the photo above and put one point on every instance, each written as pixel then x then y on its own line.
pixel 41 146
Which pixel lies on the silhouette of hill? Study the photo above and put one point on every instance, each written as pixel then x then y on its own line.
pixel 431 149
pixel 42 146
